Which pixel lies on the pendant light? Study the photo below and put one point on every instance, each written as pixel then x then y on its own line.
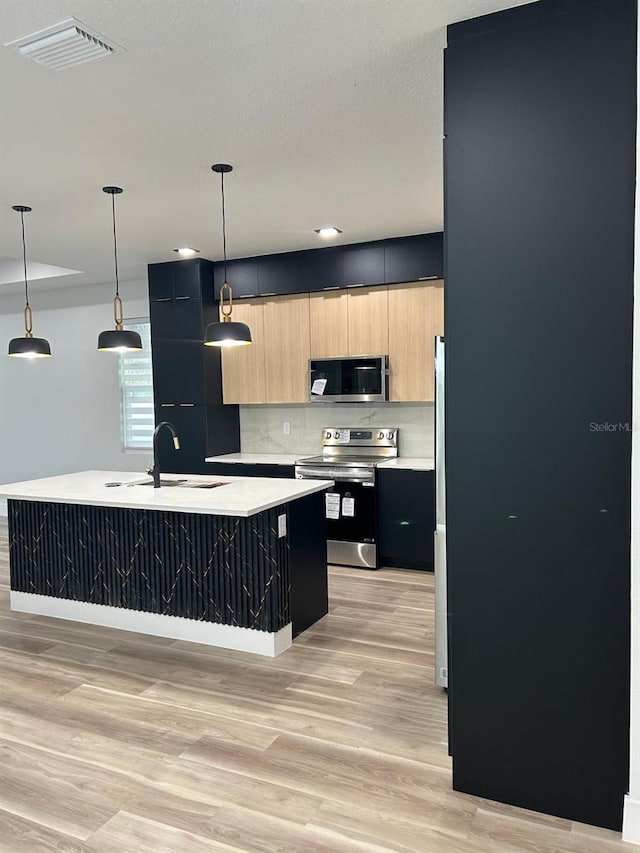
pixel 118 339
pixel 226 333
pixel 28 346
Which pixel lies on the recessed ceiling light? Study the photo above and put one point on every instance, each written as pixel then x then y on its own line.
pixel 186 251
pixel 328 231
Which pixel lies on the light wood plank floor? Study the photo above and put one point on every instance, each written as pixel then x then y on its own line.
pixel 111 741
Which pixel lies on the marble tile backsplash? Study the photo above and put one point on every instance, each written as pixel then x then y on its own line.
pixel 261 427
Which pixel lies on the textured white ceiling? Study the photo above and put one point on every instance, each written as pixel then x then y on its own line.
pixel 330 112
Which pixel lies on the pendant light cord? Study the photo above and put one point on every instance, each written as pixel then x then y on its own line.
pixel 24 261
pixel 224 228
pixel 115 242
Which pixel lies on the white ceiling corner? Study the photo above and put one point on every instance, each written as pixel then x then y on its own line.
pixel 330 112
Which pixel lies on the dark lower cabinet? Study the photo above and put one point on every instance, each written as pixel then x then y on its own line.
pixel 241 469
pixel 308 547
pixel 406 518
pixel 540 136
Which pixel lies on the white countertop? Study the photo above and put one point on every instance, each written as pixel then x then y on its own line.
pixel 411 463
pixel 240 496
pixel 258 458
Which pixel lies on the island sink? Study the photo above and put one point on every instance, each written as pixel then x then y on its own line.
pixel 183 484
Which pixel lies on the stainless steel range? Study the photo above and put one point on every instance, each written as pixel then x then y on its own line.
pixel 349 458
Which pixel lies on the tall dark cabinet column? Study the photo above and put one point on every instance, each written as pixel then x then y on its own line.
pixel 187 377
pixel 539 188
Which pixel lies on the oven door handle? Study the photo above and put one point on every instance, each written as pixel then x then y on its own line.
pixel 318 474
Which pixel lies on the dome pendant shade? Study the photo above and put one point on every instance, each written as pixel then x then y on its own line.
pixel 29 348
pixel 119 340
pixel 227 334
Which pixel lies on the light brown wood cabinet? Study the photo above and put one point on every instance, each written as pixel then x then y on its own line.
pixel 368 314
pixel 416 315
pixel 243 368
pixel 287 352
pixel 329 323
pixel 287 331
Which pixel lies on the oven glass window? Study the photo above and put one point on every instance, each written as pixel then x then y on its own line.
pixel 347 376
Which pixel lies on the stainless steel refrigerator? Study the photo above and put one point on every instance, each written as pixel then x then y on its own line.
pixel 440 536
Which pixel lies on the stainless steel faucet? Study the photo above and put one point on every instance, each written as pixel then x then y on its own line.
pixel 155 470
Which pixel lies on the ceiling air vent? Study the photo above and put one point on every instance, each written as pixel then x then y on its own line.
pixel 63 45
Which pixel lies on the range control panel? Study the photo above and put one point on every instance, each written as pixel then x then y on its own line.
pixel 357 437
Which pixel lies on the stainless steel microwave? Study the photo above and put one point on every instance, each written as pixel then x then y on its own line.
pixel 361 379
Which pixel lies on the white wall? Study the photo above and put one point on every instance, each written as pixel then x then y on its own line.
pixel 631 824
pixel 62 414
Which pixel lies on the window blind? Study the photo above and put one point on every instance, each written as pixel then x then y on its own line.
pixel 136 392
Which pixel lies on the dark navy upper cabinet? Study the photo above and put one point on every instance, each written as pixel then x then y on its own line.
pixel 189 277
pixel 242 276
pixel 324 269
pixel 363 264
pixel 177 279
pixel 413 258
pixel 334 267
pixel 160 282
pixel 282 273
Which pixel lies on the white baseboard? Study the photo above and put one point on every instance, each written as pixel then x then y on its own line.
pixel 631 820
pixel 156 624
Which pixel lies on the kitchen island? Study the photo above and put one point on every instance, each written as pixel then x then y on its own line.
pixel 237 562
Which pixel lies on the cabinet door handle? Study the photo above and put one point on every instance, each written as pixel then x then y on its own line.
pixel 186 405
pixel 167 405
pixel 162 299
pixel 268 294
pixel 428 277
pixel 182 297
pixel 333 287
pixel 356 285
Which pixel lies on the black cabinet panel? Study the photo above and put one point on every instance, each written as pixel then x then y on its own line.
pixel 242 275
pixel 179 372
pixel 413 258
pixel 241 469
pixel 160 281
pixel 189 278
pixel 223 430
pixel 312 270
pixel 308 570
pixel 177 319
pixel 282 273
pixel 363 264
pixel 406 518
pixel 191 425
pixel 187 375
pixel 539 202
pixel 176 279
pixel 324 268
